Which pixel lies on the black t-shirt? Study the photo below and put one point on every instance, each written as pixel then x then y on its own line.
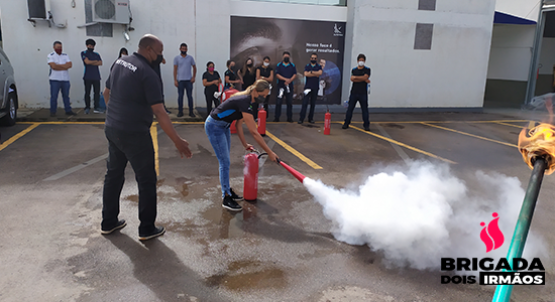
pixel 134 88
pixel 232 109
pixel 232 77
pixel 360 87
pixel 265 72
pixel 249 78
pixel 209 78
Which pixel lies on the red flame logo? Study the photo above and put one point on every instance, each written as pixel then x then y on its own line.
pixel 491 235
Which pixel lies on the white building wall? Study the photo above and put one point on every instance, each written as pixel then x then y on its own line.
pixel 527 9
pixel 511 52
pixel 173 21
pixel 451 74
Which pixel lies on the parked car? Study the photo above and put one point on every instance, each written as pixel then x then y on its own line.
pixel 8 92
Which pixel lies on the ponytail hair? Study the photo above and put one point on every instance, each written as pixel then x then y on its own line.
pixel 259 86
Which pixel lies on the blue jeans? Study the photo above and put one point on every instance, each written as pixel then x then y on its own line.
pixel 55 87
pixel 311 97
pixel 289 100
pixel 185 85
pixel 353 99
pixel 220 138
pixel 137 149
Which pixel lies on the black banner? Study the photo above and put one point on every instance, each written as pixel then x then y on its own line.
pixel 258 37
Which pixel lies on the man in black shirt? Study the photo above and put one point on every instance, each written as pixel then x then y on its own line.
pixel 133 94
pixel 360 76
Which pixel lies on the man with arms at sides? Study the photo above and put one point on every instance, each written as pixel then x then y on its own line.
pixel 133 94
pixel 312 72
pixel 184 79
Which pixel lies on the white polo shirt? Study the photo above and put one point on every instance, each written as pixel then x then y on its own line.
pixel 58 75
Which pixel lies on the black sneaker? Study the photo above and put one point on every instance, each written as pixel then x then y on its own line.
pixel 345 126
pixel 192 115
pixel 231 204
pixel 168 112
pixel 276 120
pixel 179 114
pixel 235 196
pixel 71 113
pixel 290 120
pixel 311 121
pixel 87 110
pixel 299 122
pixel 120 225
pixel 367 129
pixel 158 231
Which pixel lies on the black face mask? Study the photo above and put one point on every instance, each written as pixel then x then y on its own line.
pixel 183 52
pixel 260 99
pixel 158 60
pixel 286 60
pixel 90 49
pixel 249 65
pixel 313 61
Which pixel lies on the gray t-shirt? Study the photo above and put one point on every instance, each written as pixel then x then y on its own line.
pixel 134 88
pixel 184 67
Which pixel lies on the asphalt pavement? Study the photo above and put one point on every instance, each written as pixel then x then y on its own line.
pixel 279 248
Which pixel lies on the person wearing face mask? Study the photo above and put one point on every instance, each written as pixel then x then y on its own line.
pixel 237 108
pixel 59 63
pixel 91 60
pixel 286 72
pixel 210 80
pixel 265 72
pixel 184 79
pixel 312 72
pixel 360 76
pixel 247 74
pixel 231 79
pixel 133 95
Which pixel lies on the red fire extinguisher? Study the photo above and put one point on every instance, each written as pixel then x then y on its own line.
pixel 250 183
pixel 262 121
pixel 327 123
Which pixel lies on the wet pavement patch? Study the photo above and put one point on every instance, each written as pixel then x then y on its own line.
pixel 246 275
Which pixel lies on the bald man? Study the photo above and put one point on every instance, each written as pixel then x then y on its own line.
pixel 133 94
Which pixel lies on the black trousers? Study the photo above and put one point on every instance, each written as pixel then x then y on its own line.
pixel 96 86
pixel 209 94
pixel 311 97
pixel 136 148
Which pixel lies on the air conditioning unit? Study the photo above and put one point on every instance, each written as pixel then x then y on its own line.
pixel 38 9
pixel 111 11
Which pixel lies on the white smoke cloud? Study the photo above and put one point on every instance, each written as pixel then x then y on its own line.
pixel 421 213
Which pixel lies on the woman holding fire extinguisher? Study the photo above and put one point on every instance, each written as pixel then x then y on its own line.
pixel 240 108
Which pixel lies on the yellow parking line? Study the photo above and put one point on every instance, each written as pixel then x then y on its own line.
pixel 471 135
pixel 403 145
pixel 18 136
pixel 154 134
pixel 510 125
pixel 295 152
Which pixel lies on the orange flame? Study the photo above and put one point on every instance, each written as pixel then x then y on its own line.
pixel 538 142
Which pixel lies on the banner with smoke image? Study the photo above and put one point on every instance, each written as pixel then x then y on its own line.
pixel 256 38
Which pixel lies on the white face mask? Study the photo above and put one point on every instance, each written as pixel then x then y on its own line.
pixel 266 64
pixel 360 63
